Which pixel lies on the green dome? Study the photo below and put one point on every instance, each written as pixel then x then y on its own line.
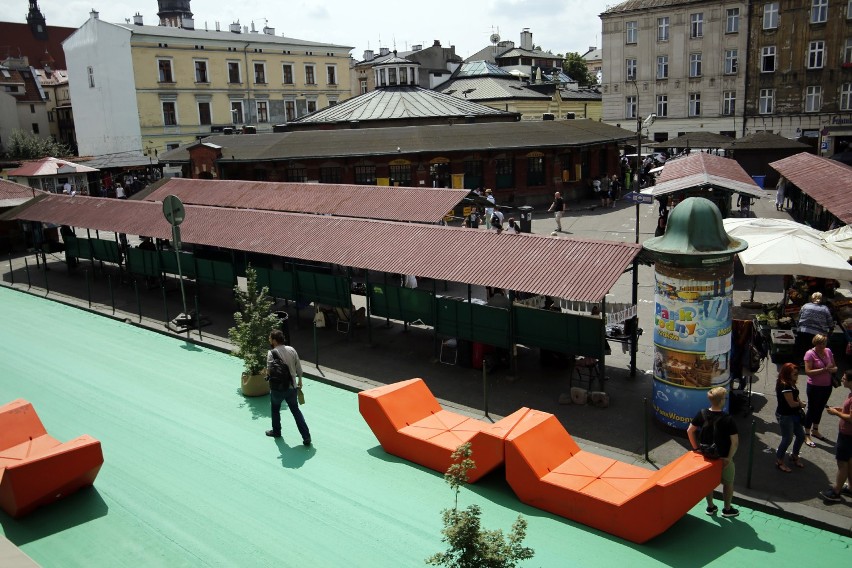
pixel 695 228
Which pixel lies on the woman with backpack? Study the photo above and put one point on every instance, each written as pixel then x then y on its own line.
pixel 789 414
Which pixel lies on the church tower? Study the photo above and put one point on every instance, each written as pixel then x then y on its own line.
pixel 36 21
pixel 175 13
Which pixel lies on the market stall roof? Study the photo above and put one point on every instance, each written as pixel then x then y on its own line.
pixel 695 140
pixel 114 161
pixel 417 204
pixel 781 246
pixel 49 167
pixel 764 141
pixel 704 171
pixel 828 182
pixel 573 269
pixel 14 194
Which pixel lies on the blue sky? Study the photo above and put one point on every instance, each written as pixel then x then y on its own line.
pixel 558 25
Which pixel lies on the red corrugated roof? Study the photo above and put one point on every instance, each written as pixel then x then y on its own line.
pixel 421 205
pixel 828 182
pixel 48 167
pixel 14 194
pixel 575 269
pixel 702 170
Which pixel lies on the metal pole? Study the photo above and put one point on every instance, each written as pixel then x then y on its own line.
pixel 46 286
pixel 138 301
pixel 752 438
pixel 634 334
pixel 485 388
pixel 197 318
pixel 645 426
pixel 316 346
pixel 11 270
pixel 369 303
pixel 27 269
pixel 180 276
pixel 165 304
pixel 89 288
pixel 111 293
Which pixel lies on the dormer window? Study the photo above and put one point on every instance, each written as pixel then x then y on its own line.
pixel 392 76
pixel 403 76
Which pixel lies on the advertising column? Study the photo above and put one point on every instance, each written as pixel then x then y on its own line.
pixel 693 274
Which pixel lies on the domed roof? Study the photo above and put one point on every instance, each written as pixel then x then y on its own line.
pixel 695 228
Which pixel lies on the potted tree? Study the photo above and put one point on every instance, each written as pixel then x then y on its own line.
pixel 250 334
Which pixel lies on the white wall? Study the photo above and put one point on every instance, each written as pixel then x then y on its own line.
pixel 106 119
pixel 8 119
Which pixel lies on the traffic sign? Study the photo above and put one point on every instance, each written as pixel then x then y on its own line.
pixel 173 210
pixel 637 197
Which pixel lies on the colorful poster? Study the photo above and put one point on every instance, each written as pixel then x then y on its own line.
pixel 692 338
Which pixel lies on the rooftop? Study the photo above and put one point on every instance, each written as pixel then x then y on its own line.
pixel 828 182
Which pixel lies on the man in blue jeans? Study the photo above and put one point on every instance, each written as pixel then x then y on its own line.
pixel 285 381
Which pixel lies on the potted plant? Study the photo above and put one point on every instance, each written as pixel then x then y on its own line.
pixel 250 334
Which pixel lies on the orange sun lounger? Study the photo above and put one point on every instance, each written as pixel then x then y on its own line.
pixel 36 469
pixel 410 423
pixel 548 470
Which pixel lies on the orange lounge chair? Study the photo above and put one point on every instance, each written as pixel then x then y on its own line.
pixel 410 423
pixel 36 469
pixel 546 469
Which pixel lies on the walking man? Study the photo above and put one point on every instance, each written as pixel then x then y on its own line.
pixel 726 439
pixel 558 207
pixel 284 372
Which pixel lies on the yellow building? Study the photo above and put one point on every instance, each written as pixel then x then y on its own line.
pixel 146 89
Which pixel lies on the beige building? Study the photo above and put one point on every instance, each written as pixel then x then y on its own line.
pixel 139 88
pixel 682 60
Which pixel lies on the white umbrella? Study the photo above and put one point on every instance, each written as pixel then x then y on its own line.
pixel 780 246
pixel 839 240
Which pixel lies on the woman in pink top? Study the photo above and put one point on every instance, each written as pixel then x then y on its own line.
pixel 819 367
pixel 843 452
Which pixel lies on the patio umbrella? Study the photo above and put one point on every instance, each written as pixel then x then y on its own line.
pixel 780 246
pixel 840 241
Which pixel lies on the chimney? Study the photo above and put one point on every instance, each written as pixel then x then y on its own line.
pixel 95 15
pixel 592 47
pixel 188 23
pixel 254 31
pixel 417 47
pixel 217 26
pixel 235 27
pixel 268 31
pixel 436 43
pixel 245 29
pixel 384 51
pixel 368 54
pixel 526 39
pixel 137 19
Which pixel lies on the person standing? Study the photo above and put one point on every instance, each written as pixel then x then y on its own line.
pixel 780 190
pixel 819 367
pixel 615 189
pixel 814 319
pixel 287 387
pixel 557 207
pixel 843 451
pixel 119 192
pixel 726 439
pixel 513 227
pixel 788 414
pixel 489 211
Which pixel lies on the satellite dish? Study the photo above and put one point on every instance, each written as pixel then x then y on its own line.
pixel 495 38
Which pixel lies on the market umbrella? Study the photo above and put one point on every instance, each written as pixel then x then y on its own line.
pixel 839 240
pixel 780 246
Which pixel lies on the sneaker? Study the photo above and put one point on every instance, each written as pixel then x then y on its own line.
pixel 273 434
pixel 711 510
pixel 730 512
pixel 830 495
pixel 846 490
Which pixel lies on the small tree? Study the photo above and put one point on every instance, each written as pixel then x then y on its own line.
pixel 255 321
pixel 471 546
pixel 25 145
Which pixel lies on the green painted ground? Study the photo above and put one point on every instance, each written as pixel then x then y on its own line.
pixel 190 479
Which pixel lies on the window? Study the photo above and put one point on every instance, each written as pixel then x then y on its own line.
pixel 729 103
pixel 696 25
pixel 201 71
pixel 392 76
pixel 813 98
pixel 91 72
pixel 632 29
pixel 631 69
pixel 535 171
pixel 770 16
pixel 662 105
pixel 630 107
pixel 262 111
pixel 767 59
pixel 401 174
pixel 295 174
pixel 365 175
pixel 694 104
pixel 32 109
pixel 204 116
pixel 237 112
pixel 695 65
pixel 663 29
pixel 846 96
pixel 169 113
pixel 767 101
pixel 260 73
pixel 731 61
pixel 403 75
pixel 816 54
pixel 819 11
pixel 362 86
pixel 331 174
pixel 662 67
pixel 50 117
pixel 289 110
pixel 234 72
pixel 849 10
pixel 847 52
pixel 310 79
pixel 164 71
pixel 331 74
pixel 35 127
pixel 288 73
pixel 732 20
pixel 312 105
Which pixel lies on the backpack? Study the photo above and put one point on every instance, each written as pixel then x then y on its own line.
pixel 707 435
pixel 279 376
pixel 495 221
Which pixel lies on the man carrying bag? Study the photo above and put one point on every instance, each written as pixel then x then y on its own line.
pixel 284 373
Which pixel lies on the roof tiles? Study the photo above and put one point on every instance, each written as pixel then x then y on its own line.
pixel 828 182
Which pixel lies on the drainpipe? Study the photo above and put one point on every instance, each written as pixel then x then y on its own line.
pixel 746 66
pixel 248 85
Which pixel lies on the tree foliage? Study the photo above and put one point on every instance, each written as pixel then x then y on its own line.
pixel 575 67
pixel 23 145
pixel 250 334
pixel 471 546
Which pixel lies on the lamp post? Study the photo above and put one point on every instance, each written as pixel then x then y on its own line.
pixel 634 335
